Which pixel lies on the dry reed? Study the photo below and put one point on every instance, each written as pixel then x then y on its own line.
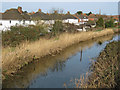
pixel 15 58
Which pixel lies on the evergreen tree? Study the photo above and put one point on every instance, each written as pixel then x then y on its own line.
pixel 100 22
pixel 79 12
pixel 109 23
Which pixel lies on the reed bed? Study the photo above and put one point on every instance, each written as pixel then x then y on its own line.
pixel 14 58
pixel 105 71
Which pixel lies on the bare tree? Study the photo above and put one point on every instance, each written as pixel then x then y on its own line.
pixel 56 10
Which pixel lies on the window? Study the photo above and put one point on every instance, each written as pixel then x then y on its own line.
pixel 29 21
pixel 23 21
pixel 10 21
pixel 0 24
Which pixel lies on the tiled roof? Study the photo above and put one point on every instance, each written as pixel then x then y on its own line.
pixel 53 16
pixel 68 16
pixel 40 15
pixel 13 14
pixel 81 16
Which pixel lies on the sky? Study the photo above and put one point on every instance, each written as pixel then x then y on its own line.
pixel 60 0
pixel 107 8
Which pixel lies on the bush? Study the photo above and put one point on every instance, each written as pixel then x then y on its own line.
pixel 79 12
pixel 109 24
pixel 100 22
pixel 57 28
pixel 19 34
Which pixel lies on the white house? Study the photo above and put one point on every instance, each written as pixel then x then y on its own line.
pixel 14 17
pixel 76 19
pixel 6 24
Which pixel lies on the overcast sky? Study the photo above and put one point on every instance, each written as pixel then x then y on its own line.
pixel 109 8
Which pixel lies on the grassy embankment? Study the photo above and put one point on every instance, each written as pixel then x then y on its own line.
pixel 105 71
pixel 53 63
pixel 14 58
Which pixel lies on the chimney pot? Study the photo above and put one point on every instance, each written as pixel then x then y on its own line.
pixel 55 11
pixel 20 9
pixel 39 10
pixel 68 12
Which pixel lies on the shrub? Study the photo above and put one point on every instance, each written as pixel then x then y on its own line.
pixel 109 23
pixel 79 12
pixel 100 22
pixel 19 34
pixel 57 28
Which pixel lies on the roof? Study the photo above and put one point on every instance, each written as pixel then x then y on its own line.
pixel 81 16
pixel 68 16
pixel 52 16
pixel 14 14
pixel 56 16
pixel 0 15
pixel 40 15
pixel 90 23
pixel 92 16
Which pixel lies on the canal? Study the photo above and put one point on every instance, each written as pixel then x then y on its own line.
pixel 54 71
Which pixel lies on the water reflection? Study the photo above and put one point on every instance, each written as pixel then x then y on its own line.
pixel 29 74
pixel 81 55
pixel 59 66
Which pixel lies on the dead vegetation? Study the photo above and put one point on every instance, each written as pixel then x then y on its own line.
pixel 13 58
pixel 105 71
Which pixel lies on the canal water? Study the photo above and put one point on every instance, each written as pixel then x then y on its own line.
pixel 54 71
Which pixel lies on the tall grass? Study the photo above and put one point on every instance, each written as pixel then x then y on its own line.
pixel 15 58
pixel 105 71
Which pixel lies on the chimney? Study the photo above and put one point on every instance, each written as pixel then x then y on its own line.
pixel 39 10
pixel 47 13
pixel 55 11
pixel 20 9
pixel 33 12
pixel 68 12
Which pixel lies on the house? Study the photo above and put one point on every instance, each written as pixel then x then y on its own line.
pixel 82 18
pixel 68 18
pixel 90 24
pixel 14 17
pixel 65 18
pixel 93 17
pixel 49 19
pixel 82 28
pixel 116 19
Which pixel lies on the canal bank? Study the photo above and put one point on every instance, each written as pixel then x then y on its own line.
pixel 62 67
pixel 16 58
pixel 105 71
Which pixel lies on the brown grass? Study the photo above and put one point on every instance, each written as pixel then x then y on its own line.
pixel 105 71
pixel 15 58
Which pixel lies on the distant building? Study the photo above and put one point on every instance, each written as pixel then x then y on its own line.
pixel 17 17
pixel 65 18
pixel 14 17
